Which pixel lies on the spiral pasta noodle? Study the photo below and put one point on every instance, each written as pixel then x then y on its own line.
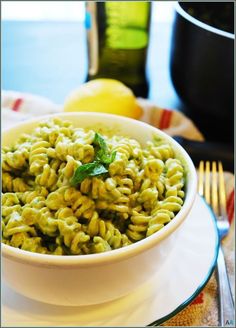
pixel 70 191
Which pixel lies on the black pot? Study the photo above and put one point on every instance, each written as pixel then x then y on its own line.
pixel 202 71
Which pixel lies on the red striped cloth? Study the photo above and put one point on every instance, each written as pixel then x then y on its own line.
pixel 165 120
pixel 16 104
pixel 230 206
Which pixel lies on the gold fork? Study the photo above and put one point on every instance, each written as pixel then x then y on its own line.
pixel 211 186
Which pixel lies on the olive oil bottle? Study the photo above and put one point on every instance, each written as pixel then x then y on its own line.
pixel 117 38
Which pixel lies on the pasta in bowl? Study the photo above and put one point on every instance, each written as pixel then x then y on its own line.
pixel 90 195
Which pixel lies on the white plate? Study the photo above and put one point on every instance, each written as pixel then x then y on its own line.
pixel 185 273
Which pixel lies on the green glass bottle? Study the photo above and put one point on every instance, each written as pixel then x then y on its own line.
pixel 118 35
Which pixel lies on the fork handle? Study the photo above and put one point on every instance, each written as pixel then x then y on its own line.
pixel 225 294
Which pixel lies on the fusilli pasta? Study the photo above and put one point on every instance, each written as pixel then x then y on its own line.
pixel 71 191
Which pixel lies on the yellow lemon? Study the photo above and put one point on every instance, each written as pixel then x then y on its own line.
pixel 103 95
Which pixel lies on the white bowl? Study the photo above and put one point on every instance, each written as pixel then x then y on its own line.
pixel 96 278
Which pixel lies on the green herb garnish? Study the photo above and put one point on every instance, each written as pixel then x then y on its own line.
pixel 98 166
pixel 102 154
pixel 87 170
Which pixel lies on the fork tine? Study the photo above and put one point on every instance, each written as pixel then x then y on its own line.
pixel 201 178
pixel 207 183
pixel 214 191
pixel 222 192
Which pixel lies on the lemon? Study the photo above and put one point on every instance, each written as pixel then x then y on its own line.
pixel 103 95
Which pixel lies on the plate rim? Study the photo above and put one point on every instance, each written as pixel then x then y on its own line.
pixel 198 290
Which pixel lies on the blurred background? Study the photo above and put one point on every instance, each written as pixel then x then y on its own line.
pixel 44 50
pixel 189 67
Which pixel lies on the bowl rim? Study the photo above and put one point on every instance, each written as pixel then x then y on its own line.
pixel 122 253
pixel 199 23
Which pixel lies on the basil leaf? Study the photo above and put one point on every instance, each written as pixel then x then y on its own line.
pixel 100 142
pixel 102 154
pixel 95 168
pixel 108 159
pixel 87 170
pixel 113 156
